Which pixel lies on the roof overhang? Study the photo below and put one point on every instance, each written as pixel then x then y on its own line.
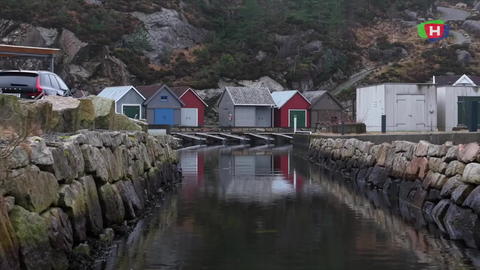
pixel 36 52
pixel 464 77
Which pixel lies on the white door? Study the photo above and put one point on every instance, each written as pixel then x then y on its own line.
pixel 245 116
pixel 419 113
pixel 189 117
pixel 410 113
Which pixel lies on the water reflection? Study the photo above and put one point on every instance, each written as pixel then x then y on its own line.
pixel 263 208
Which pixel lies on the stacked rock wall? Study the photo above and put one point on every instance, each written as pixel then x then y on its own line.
pixel 56 193
pixel 440 183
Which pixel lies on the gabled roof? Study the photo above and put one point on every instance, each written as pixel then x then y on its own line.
pixel 169 90
pixel 180 91
pixel 314 96
pixel 249 96
pixel 282 97
pixel 148 90
pixel 117 92
pixel 452 80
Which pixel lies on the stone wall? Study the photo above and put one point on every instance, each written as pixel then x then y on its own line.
pixel 59 193
pixel 438 182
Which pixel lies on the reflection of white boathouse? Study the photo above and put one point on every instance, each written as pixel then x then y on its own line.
pixel 252 178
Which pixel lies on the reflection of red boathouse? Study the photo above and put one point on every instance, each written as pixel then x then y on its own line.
pixel 284 164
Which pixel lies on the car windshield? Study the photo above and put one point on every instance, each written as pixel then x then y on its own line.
pixel 18 79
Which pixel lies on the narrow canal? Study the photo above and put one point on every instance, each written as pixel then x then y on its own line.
pixel 264 208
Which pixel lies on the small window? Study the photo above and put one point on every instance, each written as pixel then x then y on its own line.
pixel 164 98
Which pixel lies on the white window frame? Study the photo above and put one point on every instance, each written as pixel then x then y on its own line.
pixel 306 117
pixel 133 105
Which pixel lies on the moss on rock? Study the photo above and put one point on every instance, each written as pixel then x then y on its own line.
pixel 32 189
pixel 9 247
pixel 32 233
pixel 104 112
pixel 73 202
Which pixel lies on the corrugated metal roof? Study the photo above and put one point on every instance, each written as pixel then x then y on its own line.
pixel 117 92
pixel 255 96
pixel 282 97
pixel 313 96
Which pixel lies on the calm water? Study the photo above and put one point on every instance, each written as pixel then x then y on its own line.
pixel 263 208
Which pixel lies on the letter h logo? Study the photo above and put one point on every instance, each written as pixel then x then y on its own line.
pixel 434 30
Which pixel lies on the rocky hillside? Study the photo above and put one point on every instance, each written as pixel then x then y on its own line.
pixel 301 44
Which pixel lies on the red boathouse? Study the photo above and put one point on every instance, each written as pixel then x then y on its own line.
pixel 193 113
pixel 290 104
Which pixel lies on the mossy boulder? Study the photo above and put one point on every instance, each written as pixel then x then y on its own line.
pixel 94 210
pixel 32 189
pixel 71 114
pixel 9 246
pixel 65 111
pixel 31 231
pixel 122 122
pixel 24 117
pixel 37 116
pixel 86 114
pixel 112 205
pixel 104 112
pixel 12 118
pixel 72 200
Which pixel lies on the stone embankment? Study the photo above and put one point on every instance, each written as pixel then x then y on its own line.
pixel 440 183
pixel 60 195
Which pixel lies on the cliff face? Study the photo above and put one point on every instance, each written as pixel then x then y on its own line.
pixel 91 66
pixel 209 44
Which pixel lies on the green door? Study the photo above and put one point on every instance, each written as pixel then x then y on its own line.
pixel 301 118
pixel 131 111
pixel 464 105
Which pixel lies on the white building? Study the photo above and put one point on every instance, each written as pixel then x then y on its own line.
pixel 454 105
pixel 408 107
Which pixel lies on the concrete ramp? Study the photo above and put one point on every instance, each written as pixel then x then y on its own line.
pixel 211 136
pixel 234 137
pixel 194 139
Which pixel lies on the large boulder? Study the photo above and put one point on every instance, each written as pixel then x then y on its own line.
pixel 110 161
pixel 112 205
pixel 104 112
pixel 60 232
pixel 37 116
pixel 32 189
pixel 471 26
pixel 12 118
pixel 25 118
pixel 9 247
pixel 95 162
pixel 72 200
pixel 61 167
pixel 75 158
pixel 71 114
pixel 38 151
pixel 32 234
pixel 130 198
pixel 94 210
pixel 471 174
pixel 122 122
